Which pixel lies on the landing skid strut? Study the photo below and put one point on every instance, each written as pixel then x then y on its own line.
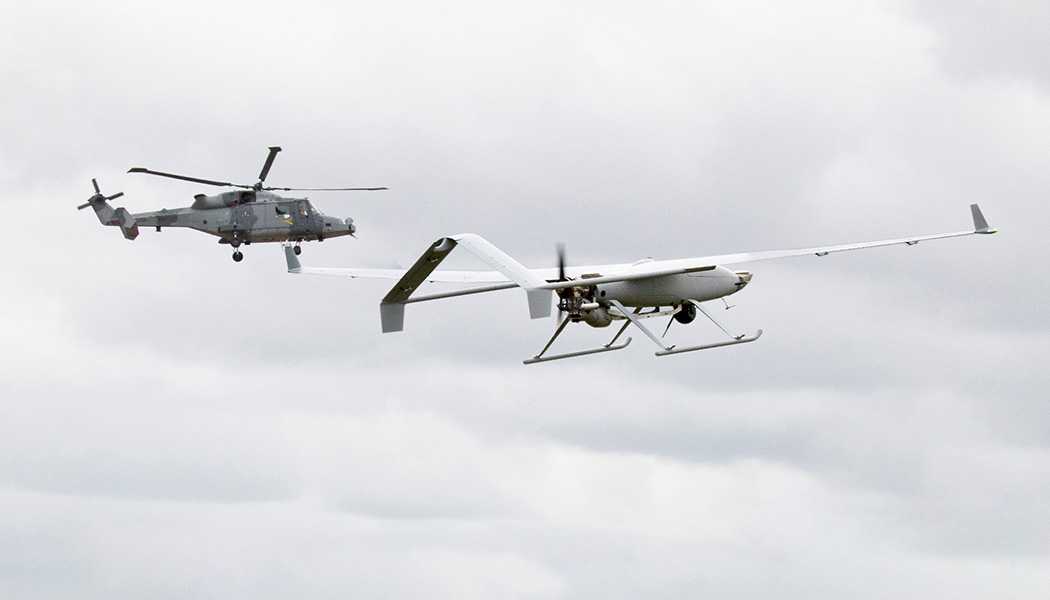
pixel 561 327
pixel 635 318
pixel 669 350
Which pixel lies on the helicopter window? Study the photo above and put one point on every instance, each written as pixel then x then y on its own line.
pixel 280 211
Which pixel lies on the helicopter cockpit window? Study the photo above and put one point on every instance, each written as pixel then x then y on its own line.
pixel 281 212
pixel 304 209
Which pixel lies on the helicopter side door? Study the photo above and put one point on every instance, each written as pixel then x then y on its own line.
pixel 284 216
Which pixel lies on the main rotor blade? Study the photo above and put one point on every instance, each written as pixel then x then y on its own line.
pixel 269 162
pixel 357 189
pixel 186 178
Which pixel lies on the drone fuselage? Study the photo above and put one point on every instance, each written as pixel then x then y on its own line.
pixel 672 290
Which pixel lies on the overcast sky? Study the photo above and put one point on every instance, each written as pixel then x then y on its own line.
pixel 174 425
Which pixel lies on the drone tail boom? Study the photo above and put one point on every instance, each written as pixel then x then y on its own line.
pixel 392 308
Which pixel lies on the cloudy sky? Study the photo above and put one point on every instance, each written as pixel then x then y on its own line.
pixel 174 425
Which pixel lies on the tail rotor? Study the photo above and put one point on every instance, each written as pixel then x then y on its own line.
pixel 107 215
pixel 98 196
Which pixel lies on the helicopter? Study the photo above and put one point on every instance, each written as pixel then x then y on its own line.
pixel 253 213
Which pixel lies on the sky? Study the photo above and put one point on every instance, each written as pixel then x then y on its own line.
pixel 175 425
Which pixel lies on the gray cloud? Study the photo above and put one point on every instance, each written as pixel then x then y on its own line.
pixel 175 425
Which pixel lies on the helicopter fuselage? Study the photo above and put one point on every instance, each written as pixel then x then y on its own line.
pixel 250 216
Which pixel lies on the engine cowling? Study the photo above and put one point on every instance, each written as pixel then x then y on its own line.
pixel 223 200
pixel 686 314
pixel 597 317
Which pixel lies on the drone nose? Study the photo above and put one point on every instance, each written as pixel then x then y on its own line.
pixel 745 278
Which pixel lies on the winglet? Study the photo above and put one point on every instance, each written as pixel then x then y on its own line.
pixel 980 224
pixel 294 266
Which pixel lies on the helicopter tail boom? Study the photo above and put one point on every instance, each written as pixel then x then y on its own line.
pixel 107 215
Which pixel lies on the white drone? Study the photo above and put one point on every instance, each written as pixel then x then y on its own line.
pixel 597 294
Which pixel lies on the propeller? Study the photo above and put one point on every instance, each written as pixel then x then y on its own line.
pixel 561 313
pixel 258 186
pixel 560 249
pixel 98 197
pixel 668 328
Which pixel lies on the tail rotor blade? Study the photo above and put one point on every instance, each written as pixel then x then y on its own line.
pixel 83 206
pixel 115 196
pixel 95 183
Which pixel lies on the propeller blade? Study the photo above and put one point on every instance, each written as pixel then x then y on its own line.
pixel 95 183
pixel 560 248
pixel 559 318
pixel 114 196
pixel 185 178
pixel 84 205
pixel 269 163
pixel 357 189
pixel 668 328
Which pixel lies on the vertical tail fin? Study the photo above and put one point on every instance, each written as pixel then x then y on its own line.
pixel 107 215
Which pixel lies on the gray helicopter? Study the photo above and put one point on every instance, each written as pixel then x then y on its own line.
pixel 251 214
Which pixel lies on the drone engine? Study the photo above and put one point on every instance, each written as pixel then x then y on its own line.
pixel 597 317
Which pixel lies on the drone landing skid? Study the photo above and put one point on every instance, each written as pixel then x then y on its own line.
pixel 632 318
pixel 739 340
pixel 612 345
pixel 599 349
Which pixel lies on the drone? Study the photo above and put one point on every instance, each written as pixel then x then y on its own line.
pixel 598 295
pixel 253 213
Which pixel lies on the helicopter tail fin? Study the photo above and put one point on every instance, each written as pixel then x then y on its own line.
pixel 107 215
pixel 117 217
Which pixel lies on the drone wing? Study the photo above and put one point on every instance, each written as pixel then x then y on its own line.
pixel 613 273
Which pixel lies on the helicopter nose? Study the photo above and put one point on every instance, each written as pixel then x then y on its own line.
pixel 744 279
pixel 350 225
